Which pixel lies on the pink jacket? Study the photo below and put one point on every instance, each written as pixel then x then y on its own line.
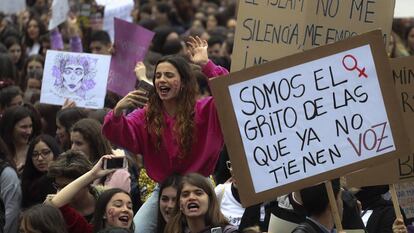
pixel 130 132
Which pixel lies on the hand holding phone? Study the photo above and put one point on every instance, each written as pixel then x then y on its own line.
pixel 114 163
pixel 145 86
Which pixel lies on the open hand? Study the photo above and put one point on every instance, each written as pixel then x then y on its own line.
pixel 198 50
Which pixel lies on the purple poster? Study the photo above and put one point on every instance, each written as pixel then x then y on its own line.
pixel 131 45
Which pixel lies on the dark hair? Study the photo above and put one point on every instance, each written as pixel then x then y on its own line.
pixel 172 47
pixel 9 42
pixel 7 94
pixel 7 69
pixel 149 24
pixel 91 131
pixel 42 30
pixel 161 34
pixel 100 36
pixel 36 57
pixel 215 40
pixel 30 173
pixel 5 156
pixel 70 164
pixel 43 218
pixel 100 208
pixel 171 181
pixel 9 120
pixel 202 81
pixel 213 217
pixel 67 117
pixel 315 199
pixel 30 176
pixel 99 114
pixel 184 126
pixel 47 114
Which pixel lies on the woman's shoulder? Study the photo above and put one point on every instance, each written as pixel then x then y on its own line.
pixel 7 172
pixel 205 102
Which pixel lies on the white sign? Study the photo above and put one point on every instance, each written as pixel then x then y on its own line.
pixel 60 10
pixel 81 77
pixel 12 6
pixel 120 9
pixel 299 122
pixel 404 9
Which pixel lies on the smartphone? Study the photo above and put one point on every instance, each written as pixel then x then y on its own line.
pixel 146 86
pixel 114 163
pixel 216 230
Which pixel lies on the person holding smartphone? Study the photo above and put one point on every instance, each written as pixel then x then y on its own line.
pixel 113 207
pixel 174 132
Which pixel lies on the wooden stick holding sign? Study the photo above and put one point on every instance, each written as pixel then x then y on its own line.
pixel 334 207
pixel 395 202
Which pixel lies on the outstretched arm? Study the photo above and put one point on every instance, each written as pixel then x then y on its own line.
pixel 65 195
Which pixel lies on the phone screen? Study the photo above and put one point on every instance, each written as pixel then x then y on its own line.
pixel 114 163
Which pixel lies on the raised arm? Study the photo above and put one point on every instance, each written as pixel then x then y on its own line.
pixel 74 35
pixel 65 195
pixel 199 55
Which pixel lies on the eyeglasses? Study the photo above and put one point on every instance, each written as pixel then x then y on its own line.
pixel 228 165
pixel 44 153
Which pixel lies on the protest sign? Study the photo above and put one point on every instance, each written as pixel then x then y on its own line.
pixel 405 193
pixel 404 9
pixel 120 9
pixel 131 44
pixel 60 10
pixel 310 117
pixel 80 77
pixel 402 169
pixel 267 30
pixel 12 6
pixel 277 225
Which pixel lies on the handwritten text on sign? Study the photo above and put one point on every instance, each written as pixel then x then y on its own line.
pixel 312 118
pixel 291 26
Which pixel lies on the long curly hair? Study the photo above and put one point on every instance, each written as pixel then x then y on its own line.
pixel 184 126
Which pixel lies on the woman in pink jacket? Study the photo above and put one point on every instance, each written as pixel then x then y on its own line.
pixel 175 132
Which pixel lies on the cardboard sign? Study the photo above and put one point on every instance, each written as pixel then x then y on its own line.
pixel 405 193
pixel 131 43
pixel 277 225
pixel 12 6
pixel 310 117
pixel 267 30
pixel 60 10
pixel 80 77
pixel 402 169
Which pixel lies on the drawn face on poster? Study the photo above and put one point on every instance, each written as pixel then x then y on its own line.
pixel 74 74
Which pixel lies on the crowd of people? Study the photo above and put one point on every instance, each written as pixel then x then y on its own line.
pixel 178 178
